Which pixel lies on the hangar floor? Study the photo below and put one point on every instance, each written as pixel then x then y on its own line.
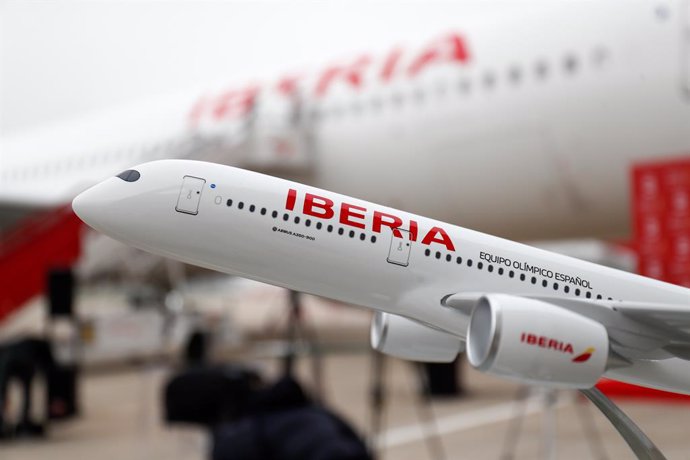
pixel 122 419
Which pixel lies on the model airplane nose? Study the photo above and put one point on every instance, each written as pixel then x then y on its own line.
pixel 86 207
pixel 100 205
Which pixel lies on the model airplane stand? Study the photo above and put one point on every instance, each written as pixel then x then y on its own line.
pixel 299 334
pixel 640 444
pixel 423 407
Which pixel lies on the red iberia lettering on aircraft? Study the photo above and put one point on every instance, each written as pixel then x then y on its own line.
pixel 449 49
pixel 290 202
pixel 233 104
pixel 356 216
pixel 438 235
pixel 351 74
pixel 389 220
pixel 350 211
pixel 546 342
pixel 317 206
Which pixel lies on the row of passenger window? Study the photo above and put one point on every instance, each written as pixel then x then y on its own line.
pixel 512 274
pixel 540 70
pixel 318 225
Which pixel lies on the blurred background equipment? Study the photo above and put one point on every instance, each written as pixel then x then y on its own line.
pixel 252 420
pixel 61 293
pixel 661 219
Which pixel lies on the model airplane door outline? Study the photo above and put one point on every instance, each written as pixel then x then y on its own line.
pixel 399 251
pixel 190 195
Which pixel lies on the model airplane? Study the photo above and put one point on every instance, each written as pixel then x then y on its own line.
pixel 524 314
pixel 537 114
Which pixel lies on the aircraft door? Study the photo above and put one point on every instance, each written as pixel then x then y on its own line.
pixel 190 195
pixel 279 137
pixel 399 250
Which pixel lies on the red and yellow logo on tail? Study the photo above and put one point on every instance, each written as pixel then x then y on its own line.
pixel 581 358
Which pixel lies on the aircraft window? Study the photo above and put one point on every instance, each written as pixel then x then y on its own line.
pixel 490 268
pixel 514 75
pixel 286 216
pixel 131 175
pixel 566 289
pixel 376 103
pixel 599 296
pixel 341 231
pixel 252 208
pixel 511 274
pixel 469 262
pixel 662 12
pixel 352 233
pixel 373 238
pixel 307 223
pixel 555 286
pixel 534 280
pixel 489 80
pixel 464 86
pixel 427 252
pixel 480 265
pixel 500 270
pixel 458 260
pixel 541 69
pixel 329 228
pixel 228 203
pixel 274 214
pixel 577 292
pixel 522 277
pixel 570 64
pixel 610 298
pixel 419 95
pixel 263 211
pixel 588 295
pixel 362 236
pixel 438 254
pixel 449 257
pixel 297 219
pixel 240 205
pixel 319 225
pixel 397 99
pixel 599 56
pixel 544 283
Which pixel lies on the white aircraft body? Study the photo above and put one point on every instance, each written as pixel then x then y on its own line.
pixel 524 314
pixel 523 124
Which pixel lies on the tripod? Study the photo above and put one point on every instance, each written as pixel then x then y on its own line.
pixel 423 408
pixel 299 335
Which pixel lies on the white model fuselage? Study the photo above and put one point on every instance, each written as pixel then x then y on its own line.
pixel 524 125
pixel 311 240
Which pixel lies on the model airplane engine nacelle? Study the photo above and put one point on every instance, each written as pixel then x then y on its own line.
pixel 413 341
pixel 536 342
